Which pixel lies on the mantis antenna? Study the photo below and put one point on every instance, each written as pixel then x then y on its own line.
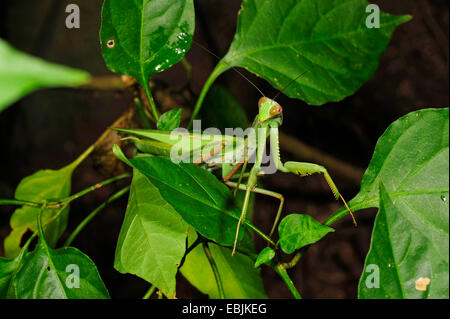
pixel 236 70
pixel 290 83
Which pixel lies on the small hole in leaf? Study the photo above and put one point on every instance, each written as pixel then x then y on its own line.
pixel 111 43
pixel 48 268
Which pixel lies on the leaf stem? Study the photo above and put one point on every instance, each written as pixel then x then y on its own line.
pixel 214 269
pixel 150 292
pixel 94 213
pixel 87 190
pixel 19 203
pixel 187 69
pixel 219 69
pixel 141 112
pixel 150 100
pixel 281 270
pixel 260 233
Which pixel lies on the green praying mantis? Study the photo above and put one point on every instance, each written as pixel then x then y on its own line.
pixel 231 153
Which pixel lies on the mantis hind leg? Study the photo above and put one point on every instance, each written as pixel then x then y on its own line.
pixel 305 169
pixel 266 192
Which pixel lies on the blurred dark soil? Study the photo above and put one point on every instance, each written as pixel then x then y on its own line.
pixel 50 128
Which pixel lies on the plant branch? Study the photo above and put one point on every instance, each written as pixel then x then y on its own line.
pixel 214 269
pixel 308 153
pixel 281 270
pixel 150 292
pixel 94 213
pixel 108 83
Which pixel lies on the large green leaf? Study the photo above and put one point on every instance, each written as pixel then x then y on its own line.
pixel 412 160
pixel 280 39
pixel 240 279
pixel 21 74
pixel 51 274
pixel 402 254
pixel 203 202
pixel 152 240
pixel 140 38
pixel 299 230
pixel 42 185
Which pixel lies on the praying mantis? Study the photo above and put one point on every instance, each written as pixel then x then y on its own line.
pixel 213 149
pixel 222 149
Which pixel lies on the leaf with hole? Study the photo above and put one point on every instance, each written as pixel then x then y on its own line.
pixel 412 160
pixel 403 254
pixel 141 38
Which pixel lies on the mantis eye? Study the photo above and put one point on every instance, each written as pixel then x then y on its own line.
pixel 275 110
pixel 262 101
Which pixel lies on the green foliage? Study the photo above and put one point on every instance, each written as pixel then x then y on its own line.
pixel 42 185
pixel 21 74
pixel 239 278
pixel 152 240
pixel 8 268
pixel 169 120
pixel 404 252
pixel 299 230
pixel 265 256
pixel 197 195
pixel 174 203
pixel 328 39
pixel 141 38
pixel 411 159
pixel 47 274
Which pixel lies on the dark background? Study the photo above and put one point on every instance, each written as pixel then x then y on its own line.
pixel 50 128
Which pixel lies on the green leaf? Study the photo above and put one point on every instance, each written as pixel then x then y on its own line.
pixel 412 160
pixel 299 230
pixel 8 268
pixel 240 279
pixel 327 39
pixel 52 274
pixel 152 240
pixel 203 202
pixel 42 185
pixel 140 38
pixel 265 256
pixel 401 253
pixel 222 110
pixel 169 120
pixel 21 74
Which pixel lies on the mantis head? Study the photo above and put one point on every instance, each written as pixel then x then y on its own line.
pixel 268 109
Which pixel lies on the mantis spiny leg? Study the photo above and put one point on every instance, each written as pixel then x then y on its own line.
pixel 210 154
